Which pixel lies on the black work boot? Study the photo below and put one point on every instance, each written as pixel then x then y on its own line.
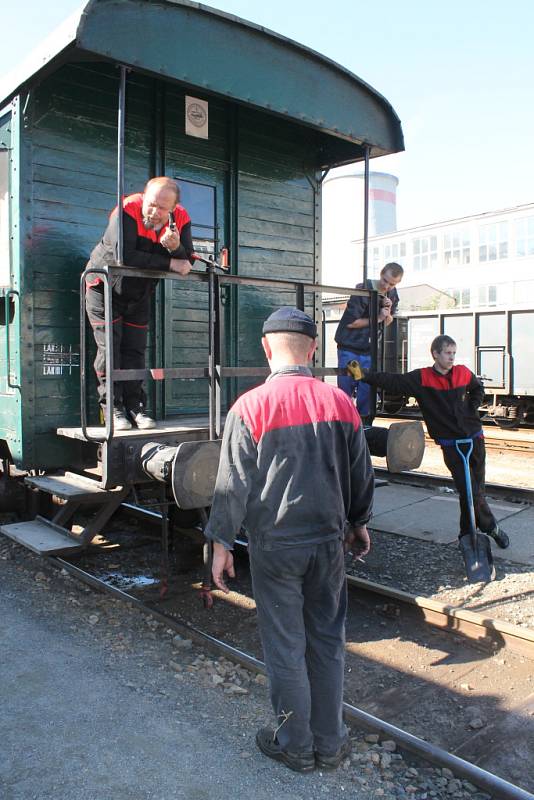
pixel 333 761
pixel 298 762
pixel 500 537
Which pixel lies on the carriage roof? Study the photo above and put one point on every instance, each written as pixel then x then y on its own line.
pixel 223 55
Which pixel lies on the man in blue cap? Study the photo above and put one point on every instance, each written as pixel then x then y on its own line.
pixel 295 472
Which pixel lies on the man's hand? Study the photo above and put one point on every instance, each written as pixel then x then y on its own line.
pixel 180 265
pixel 383 314
pixel 223 561
pixel 385 310
pixel 170 240
pixel 357 541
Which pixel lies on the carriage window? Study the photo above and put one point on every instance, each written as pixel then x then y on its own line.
pixel 425 253
pixel 493 241
pixel 491 330
pixel 524 236
pixel 199 200
pixel 460 327
pixel 457 247
pixel 5 258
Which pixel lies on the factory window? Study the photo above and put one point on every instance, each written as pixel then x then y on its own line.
pixel 462 297
pixel 493 241
pixel 524 236
pixel 375 261
pixel 487 295
pixel 392 252
pixel 522 291
pixel 425 253
pixel 457 247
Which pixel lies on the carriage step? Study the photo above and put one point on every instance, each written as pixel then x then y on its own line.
pixel 41 536
pixel 69 486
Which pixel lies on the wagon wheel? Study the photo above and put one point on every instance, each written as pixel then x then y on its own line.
pixel 392 405
pixel 507 423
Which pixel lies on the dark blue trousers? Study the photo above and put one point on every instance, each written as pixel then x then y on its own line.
pixel 358 389
pixel 301 600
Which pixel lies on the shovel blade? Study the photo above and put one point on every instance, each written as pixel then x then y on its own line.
pixel 478 559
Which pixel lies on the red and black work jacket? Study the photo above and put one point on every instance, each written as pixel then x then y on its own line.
pixel 141 248
pixel 294 465
pixel 449 403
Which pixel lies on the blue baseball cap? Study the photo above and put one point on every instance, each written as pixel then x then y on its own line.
pixel 290 320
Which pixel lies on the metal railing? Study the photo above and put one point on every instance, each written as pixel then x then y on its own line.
pixel 214 372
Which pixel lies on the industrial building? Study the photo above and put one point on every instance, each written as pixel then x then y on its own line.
pixel 484 260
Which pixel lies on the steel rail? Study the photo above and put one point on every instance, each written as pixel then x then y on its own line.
pixel 481 629
pixel 499 491
pixel 486 631
pixel 491 783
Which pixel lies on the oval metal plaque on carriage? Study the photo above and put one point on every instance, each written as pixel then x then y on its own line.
pixel 194 471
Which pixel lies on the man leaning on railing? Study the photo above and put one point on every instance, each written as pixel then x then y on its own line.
pixel 156 236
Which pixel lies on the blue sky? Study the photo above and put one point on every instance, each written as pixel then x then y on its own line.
pixel 460 75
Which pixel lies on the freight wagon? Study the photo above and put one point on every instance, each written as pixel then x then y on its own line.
pixel 496 345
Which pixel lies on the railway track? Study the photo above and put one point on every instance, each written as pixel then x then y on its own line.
pixel 389 693
pixel 499 491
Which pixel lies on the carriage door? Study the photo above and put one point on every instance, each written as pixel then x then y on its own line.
pixel 492 359
pixel 9 324
pixel 186 302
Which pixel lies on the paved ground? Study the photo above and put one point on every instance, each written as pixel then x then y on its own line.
pixel 101 702
pixel 432 515
pixel 84 721
pixel 97 710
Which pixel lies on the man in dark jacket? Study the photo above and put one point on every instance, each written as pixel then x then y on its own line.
pixel 150 244
pixel 353 334
pixel 295 472
pixel 449 397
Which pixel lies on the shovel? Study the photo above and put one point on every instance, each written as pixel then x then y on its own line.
pixel 475 547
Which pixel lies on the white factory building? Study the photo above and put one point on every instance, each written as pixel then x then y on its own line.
pixel 484 260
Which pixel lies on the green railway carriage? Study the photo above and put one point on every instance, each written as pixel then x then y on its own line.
pixel 246 120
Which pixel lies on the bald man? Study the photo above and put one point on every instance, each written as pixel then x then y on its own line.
pixel 149 244
pixel 296 474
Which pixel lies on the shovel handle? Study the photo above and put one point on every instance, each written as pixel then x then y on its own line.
pixel 465 457
pixel 469 444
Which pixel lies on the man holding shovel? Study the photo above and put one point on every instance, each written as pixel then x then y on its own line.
pixel 449 397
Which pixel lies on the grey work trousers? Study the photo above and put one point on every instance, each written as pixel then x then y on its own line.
pixel 301 600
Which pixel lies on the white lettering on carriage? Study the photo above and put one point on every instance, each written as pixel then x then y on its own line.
pixel 60 359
